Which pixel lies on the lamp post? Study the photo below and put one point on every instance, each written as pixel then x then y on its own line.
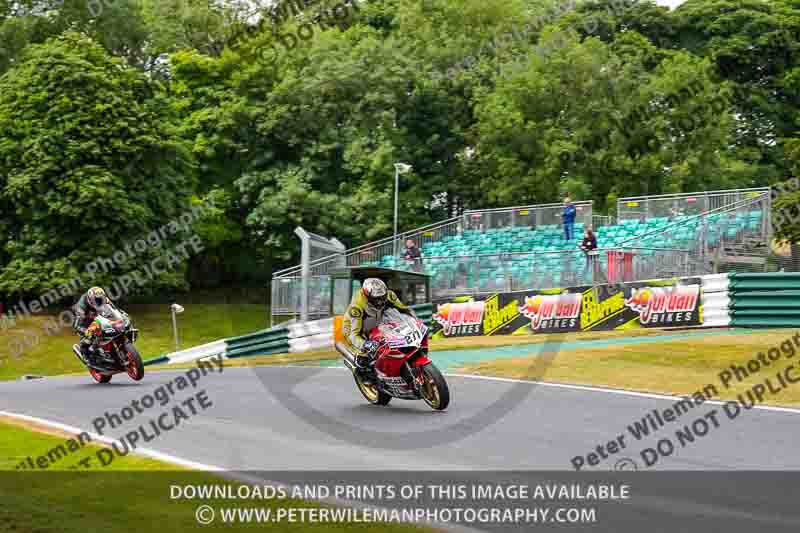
pixel 399 168
pixel 176 309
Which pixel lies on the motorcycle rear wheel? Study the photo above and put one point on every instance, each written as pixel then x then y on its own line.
pixel 434 389
pixel 135 366
pixel 372 393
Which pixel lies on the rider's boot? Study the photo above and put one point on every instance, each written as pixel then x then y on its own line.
pixel 365 368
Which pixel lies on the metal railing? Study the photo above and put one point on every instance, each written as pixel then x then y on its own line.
pixel 683 204
pixel 735 232
pixel 481 219
pixel 529 215
pixel 287 296
pixel 511 272
pixel 375 251
pixel 505 272
pixel 598 221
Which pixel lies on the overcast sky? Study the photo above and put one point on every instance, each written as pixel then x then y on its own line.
pixel 670 3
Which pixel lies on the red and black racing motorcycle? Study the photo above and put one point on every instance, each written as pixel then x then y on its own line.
pixel 402 367
pixel 114 351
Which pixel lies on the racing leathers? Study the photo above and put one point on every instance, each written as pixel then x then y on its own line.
pixel 361 317
pixel 84 316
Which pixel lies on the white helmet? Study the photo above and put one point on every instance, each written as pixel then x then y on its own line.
pixel 96 298
pixel 376 292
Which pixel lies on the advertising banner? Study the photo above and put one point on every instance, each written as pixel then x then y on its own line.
pixel 646 304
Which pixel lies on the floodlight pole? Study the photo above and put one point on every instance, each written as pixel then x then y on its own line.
pixel 398 168
pixel 175 308
pixel 305 271
pixel 396 194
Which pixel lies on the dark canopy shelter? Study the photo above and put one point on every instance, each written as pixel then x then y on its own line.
pixel 412 288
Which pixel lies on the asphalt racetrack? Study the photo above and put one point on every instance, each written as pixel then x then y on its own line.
pixel 299 418
pixel 276 421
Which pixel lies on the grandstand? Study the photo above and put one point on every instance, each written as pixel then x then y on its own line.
pixel 523 248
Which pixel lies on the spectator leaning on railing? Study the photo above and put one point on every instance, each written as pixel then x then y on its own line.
pixel 589 245
pixel 412 254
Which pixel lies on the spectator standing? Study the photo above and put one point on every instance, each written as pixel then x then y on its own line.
pixel 569 215
pixel 413 255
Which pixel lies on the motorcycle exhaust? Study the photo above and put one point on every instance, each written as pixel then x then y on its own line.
pixel 76 350
pixel 348 359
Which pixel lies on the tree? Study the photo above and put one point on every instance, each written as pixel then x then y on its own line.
pixel 89 160
pixel 786 208
pixel 588 112
pixel 753 45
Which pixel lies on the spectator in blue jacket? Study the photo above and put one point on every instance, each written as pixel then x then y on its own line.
pixel 569 219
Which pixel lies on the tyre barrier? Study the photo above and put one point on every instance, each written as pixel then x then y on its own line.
pixel 307 336
pixel 281 339
pixel 716 301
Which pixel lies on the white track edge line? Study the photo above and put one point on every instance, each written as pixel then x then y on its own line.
pixel 154 454
pixel 622 392
pixel 455 528
pixel 590 388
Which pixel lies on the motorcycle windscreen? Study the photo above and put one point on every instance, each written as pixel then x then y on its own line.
pixel 401 330
pixel 109 313
pixel 111 319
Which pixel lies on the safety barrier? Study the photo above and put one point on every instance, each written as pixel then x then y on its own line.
pixel 191 354
pixel 743 300
pixel 285 338
pixel 765 300
pixel 318 335
pixel 265 342
pixel 307 336
pixel 716 301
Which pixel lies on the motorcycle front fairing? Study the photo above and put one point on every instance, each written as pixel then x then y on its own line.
pixel 404 340
pixel 112 323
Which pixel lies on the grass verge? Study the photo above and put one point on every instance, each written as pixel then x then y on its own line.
pixel 132 494
pixel 458 343
pixel 51 354
pixel 673 367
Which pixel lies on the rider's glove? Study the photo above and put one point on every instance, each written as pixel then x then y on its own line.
pixel 370 347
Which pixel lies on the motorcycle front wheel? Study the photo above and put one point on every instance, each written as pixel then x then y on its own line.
pixel 434 388
pixel 98 377
pixel 372 393
pixel 134 365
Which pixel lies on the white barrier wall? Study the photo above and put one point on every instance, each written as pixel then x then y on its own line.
pixel 307 336
pixel 198 352
pixel 716 300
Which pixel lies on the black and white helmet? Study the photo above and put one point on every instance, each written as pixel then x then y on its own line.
pixel 376 292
